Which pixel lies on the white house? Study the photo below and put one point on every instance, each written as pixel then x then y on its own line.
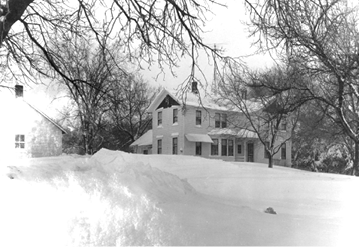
pixel 25 130
pixel 202 128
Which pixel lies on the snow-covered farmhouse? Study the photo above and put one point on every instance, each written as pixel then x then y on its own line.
pixel 202 128
pixel 25 131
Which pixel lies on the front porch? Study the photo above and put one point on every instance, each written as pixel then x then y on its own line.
pixel 233 145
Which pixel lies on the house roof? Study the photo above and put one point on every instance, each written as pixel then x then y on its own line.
pixel 189 99
pixel 199 138
pixel 240 133
pixel 47 117
pixel 196 100
pixel 144 140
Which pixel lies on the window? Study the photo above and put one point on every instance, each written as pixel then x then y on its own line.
pixel 266 153
pixel 230 147
pixel 283 125
pixel 217 119
pixel 239 148
pixel 224 120
pixel 175 115
pixel 159 146
pixel 214 147
pixel 283 154
pixel 198 148
pixel 198 117
pixel 159 118
pixel 224 147
pixel 145 151
pixel 175 145
pixel 244 94
pixel 19 141
pixel 220 120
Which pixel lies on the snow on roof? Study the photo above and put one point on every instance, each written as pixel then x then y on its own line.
pixel 240 133
pixel 47 117
pixel 189 99
pixel 144 140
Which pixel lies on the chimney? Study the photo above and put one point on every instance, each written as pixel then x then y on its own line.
pixel 19 91
pixel 194 87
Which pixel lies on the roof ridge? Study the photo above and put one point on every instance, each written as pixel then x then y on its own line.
pixel 46 116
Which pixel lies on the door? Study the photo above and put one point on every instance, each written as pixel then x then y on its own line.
pixel 250 152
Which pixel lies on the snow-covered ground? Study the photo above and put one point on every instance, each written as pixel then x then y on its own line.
pixel 115 198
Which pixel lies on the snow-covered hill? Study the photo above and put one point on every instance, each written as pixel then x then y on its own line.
pixel 115 198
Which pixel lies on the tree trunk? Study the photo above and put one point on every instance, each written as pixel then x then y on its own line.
pixel 270 161
pixel 9 16
pixel 356 158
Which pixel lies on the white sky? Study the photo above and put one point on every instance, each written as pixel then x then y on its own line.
pixel 225 29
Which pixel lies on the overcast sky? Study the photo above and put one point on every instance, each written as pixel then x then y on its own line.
pixel 224 28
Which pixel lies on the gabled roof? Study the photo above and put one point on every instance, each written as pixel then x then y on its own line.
pixel 47 117
pixel 189 99
pixel 159 98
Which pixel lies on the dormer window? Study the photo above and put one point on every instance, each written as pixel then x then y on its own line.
pixel 159 118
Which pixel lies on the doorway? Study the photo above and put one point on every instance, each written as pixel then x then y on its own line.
pixel 250 152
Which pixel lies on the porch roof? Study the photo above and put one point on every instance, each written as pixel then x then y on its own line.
pixel 199 138
pixel 240 133
pixel 144 140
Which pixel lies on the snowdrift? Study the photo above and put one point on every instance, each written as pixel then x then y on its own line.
pixel 114 198
pixel 102 200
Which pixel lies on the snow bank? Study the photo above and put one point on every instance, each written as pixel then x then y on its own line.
pixel 103 200
pixel 115 198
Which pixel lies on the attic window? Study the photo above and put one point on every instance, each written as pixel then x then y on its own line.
pixel 19 141
pixel 167 102
pixel 19 91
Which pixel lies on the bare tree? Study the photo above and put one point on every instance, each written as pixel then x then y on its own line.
pixel 272 115
pixel 128 114
pixel 83 61
pixel 321 38
pixel 147 31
